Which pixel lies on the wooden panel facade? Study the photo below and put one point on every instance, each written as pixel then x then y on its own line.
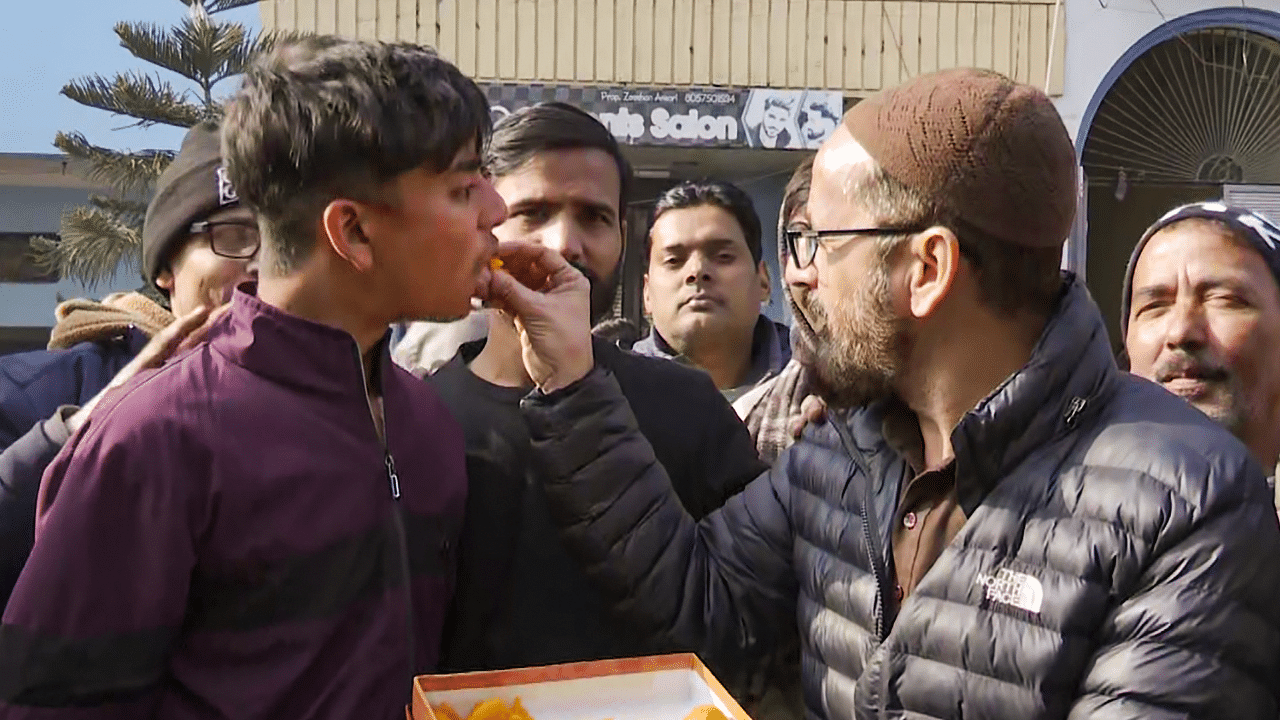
pixel 856 46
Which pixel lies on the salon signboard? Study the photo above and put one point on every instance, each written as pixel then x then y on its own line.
pixel 691 117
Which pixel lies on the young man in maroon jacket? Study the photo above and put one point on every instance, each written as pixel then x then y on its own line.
pixel 264 527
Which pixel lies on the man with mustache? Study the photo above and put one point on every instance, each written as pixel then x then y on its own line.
pixel 1001 523
pixel 1200 314
pixel 705 284
pixel 521 598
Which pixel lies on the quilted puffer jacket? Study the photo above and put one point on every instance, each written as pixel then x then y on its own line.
pixel 1120 560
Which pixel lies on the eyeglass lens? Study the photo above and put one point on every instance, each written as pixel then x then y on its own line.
pixel 803 248
pixel 233 240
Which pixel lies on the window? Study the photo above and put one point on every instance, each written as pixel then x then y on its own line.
pixel 17 264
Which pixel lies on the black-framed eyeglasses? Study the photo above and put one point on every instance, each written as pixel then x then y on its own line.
pixel 802 245
pixel 235 239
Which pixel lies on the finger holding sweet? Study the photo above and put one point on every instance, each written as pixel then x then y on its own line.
pixel 551 304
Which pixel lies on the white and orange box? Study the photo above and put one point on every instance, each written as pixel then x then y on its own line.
pixel 663 687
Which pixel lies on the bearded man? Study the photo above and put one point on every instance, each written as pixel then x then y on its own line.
pixel 521 598
pixel 1000 523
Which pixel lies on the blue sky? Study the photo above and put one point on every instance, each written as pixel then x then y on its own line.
pixel 45 43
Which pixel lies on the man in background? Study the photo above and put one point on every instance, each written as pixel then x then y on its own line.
pixel 1200 314
pixel 198 243
pixel 522 599
pixel 777 410
pixel 705 284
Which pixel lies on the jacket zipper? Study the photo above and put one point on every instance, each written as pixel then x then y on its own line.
pixel 397 516
pixel 868 520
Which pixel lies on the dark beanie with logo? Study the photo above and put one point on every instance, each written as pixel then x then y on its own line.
pixel 193 186
pixel 993 152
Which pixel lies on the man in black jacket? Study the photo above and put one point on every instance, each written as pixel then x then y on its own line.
pixel 521 599
pixel 1009 526
pixel 198 243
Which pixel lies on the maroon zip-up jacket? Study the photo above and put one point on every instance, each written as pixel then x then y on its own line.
pixel 228 538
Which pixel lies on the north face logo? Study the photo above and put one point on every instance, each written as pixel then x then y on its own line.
pixel 1016 589
pixel 226 191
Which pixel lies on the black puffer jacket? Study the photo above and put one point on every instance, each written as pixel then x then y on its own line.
pixel 1121 557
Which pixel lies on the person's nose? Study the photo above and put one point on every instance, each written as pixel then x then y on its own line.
pixel 493 211
pixel 1186 326
pixel 799 279
pixel 697 269
pixel 251 267
pixel 565 237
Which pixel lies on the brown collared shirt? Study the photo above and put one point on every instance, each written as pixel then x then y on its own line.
pixel 929 515
pixel 928 518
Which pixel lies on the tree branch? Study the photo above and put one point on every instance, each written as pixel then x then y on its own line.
pixel 149 100
pixel 130 212
pixel 217 6
pixel 94 245
pixel 125 172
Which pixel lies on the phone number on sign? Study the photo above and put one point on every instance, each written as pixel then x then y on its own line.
pixel 704 98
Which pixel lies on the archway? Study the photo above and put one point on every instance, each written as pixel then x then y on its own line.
pixel 1191 108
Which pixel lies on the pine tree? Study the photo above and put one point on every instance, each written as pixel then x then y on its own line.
pixel 96 239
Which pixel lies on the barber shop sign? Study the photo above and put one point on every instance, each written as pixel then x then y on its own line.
pixel 694 117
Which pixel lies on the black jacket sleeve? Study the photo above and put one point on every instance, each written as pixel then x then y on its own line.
pixel 726 459
pixel 725 584
pixel 22 464
pixel 1197 636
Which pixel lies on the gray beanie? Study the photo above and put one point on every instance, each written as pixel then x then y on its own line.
pixel 1261 232
pixel 193 186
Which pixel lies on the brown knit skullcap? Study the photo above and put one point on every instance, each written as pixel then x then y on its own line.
pixel 991 151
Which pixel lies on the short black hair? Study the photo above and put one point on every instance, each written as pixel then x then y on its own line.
pixel 716 193
pixel 324 117
pixel 518 137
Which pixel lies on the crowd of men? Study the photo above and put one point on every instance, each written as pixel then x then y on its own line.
pixel 936 494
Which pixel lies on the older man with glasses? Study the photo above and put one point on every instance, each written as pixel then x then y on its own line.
pixel 995 522
pixel 198 243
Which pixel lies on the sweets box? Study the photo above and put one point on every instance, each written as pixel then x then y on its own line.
pixel 664 687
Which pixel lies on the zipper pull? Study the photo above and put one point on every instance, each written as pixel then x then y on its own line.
pixel 1074 409
pixel 391 475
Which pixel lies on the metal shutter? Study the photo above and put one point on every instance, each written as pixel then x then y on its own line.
pixel 1262 198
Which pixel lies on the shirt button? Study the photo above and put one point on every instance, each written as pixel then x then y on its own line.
pixel 909 520
pixel 897 593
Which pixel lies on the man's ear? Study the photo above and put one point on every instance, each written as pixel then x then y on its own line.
pixel 341 223
pixel 648 303
pixel 164 280
pixel 935 263
pixel 766 287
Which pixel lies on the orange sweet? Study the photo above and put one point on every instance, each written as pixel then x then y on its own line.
pixel 492 709
pixel 706 712
pixel 445 711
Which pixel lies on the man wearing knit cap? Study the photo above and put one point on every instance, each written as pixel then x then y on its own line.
pixel 1200 314
pixel 995 522
pixel 198 242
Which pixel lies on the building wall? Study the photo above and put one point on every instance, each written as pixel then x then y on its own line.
pixel 857 46
pixel 1110 28
pixel 39 210
pixel 1104 30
